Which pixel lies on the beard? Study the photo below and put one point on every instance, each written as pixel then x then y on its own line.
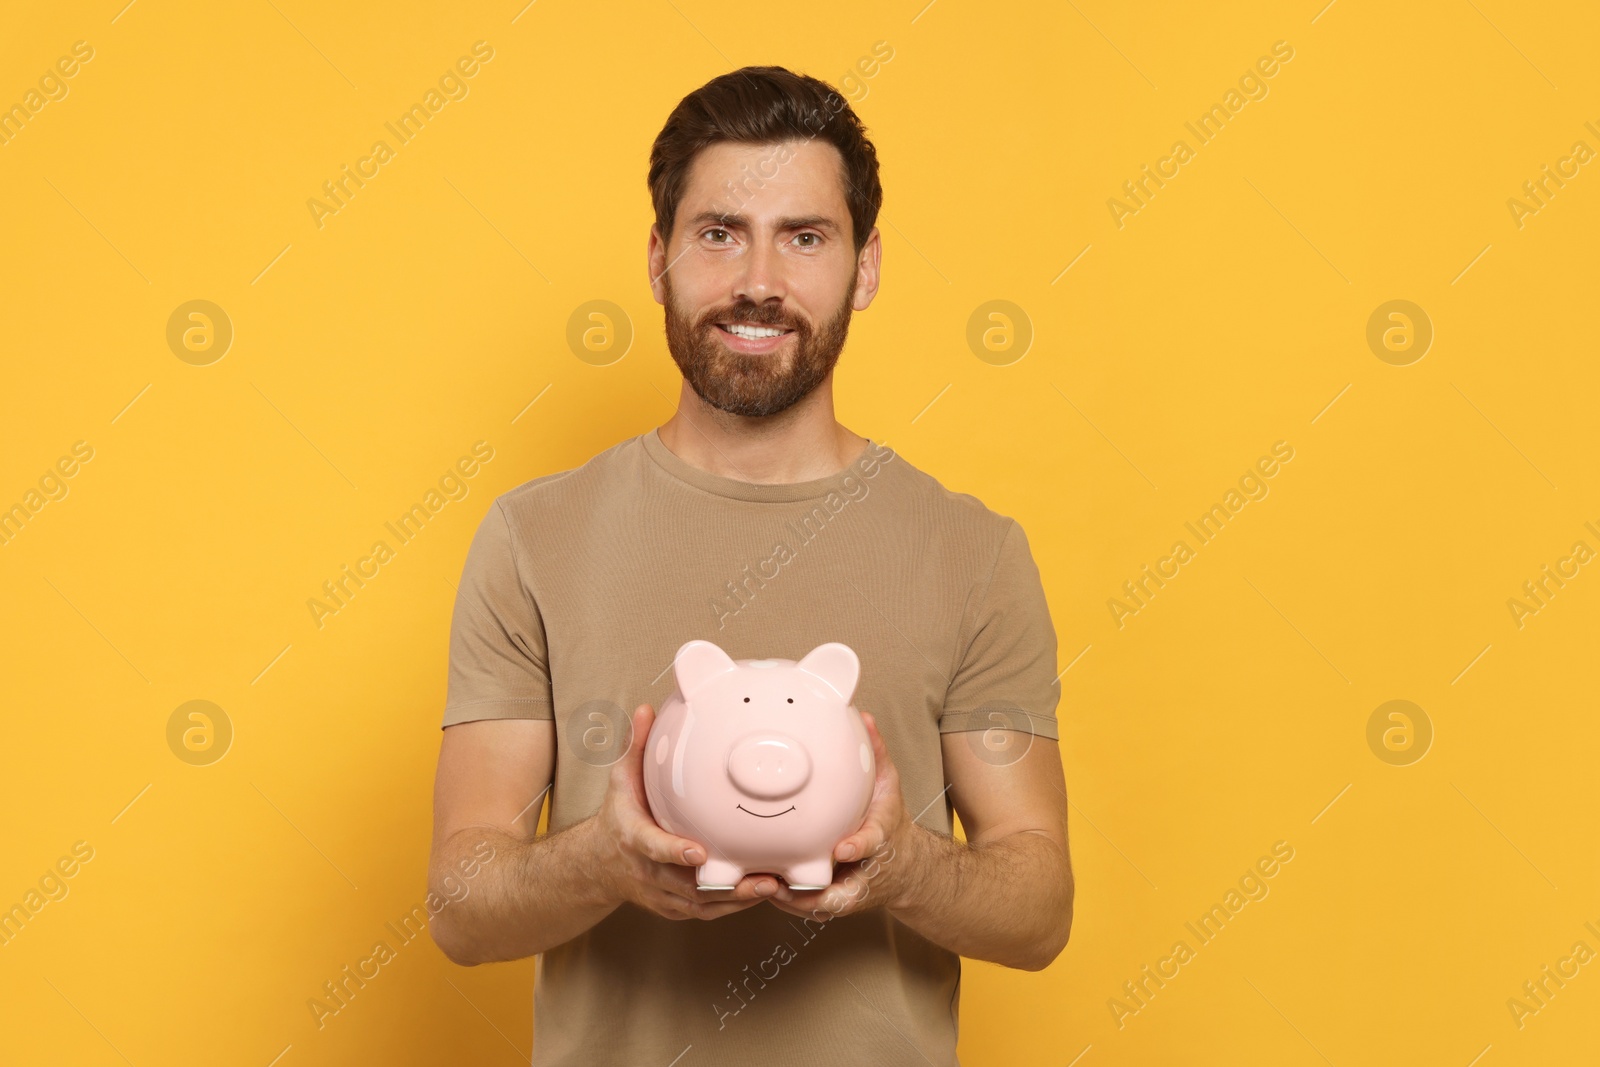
pixel 754 385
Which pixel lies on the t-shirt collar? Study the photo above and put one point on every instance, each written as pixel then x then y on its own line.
pixel 735 489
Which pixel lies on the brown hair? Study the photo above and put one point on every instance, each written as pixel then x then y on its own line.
pixel 764 105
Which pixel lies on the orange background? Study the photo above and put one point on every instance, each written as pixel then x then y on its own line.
pixel 1164 356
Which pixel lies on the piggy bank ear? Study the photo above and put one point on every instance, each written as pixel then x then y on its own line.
pixel 835 664
pixel 696 663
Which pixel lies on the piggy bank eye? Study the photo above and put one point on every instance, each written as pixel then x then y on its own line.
pixel 791 700
pixel 747 700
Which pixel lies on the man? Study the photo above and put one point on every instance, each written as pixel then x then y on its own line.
pixel 753 519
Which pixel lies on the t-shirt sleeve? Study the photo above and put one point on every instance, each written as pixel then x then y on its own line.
pixel 1006 678
pixel 499 666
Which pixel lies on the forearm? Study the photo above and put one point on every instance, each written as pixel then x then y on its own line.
pixel 533 896
pixel 1008 901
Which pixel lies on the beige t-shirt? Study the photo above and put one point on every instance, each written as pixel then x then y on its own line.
pixel 579 588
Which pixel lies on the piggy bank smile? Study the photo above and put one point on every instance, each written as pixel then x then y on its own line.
pixel 758 815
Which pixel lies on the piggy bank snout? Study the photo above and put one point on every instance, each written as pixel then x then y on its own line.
pixel 769 766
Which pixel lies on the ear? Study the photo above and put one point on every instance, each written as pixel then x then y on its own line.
pixel 835 664
pixel 696 663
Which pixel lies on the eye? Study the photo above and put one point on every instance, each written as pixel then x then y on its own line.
pixel 716 229
pixel 815 237
pixel 791 700
pixel 747 700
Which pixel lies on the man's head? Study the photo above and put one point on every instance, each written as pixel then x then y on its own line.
pixel 766 198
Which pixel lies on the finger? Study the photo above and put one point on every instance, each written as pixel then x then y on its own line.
pixel 805 905
pixel 880 749
pixel 681 881
pixel 752 887
pixel 631 766
pixel 645 834
pixel 717 909
pixel 666 905
pixel 693 906
pixel 676 906
pixel 758 886
pixel 684 882
pixel 844 896
pixel 866 840
pixel 641 721
pixel 871 834
pixel 654 843
pixel 627 773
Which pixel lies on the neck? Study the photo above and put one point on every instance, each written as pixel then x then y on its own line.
pixel 800 444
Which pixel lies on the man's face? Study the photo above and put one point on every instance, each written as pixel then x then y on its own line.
pixel 772 252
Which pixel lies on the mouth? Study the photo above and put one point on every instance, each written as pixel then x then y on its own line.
pixel 758 815
pixel 752 338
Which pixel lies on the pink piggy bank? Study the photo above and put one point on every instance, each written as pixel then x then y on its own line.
pixel 764 761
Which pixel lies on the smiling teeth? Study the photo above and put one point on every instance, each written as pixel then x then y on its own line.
pixel 741 330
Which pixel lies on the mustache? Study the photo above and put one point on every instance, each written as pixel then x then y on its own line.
pixel 750 315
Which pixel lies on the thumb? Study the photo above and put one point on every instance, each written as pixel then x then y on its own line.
pixel 880 748
pixel 628 772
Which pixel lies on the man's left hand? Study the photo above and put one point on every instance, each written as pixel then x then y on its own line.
pixel 873 866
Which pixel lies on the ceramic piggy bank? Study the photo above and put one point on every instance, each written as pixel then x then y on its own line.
pixel 764 761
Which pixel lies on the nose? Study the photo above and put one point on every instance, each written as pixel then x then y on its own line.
pixel 761 278
pixel 769 766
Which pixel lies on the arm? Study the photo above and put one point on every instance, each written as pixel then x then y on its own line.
pixel 542 891
pixel 1003 895
pixel 491 784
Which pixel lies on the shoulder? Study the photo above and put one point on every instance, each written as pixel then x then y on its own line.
pixel 620 462
pixel 949 513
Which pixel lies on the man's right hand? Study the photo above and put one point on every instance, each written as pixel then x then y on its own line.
pixel 644 865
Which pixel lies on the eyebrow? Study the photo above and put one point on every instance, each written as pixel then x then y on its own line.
pixel 792 222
